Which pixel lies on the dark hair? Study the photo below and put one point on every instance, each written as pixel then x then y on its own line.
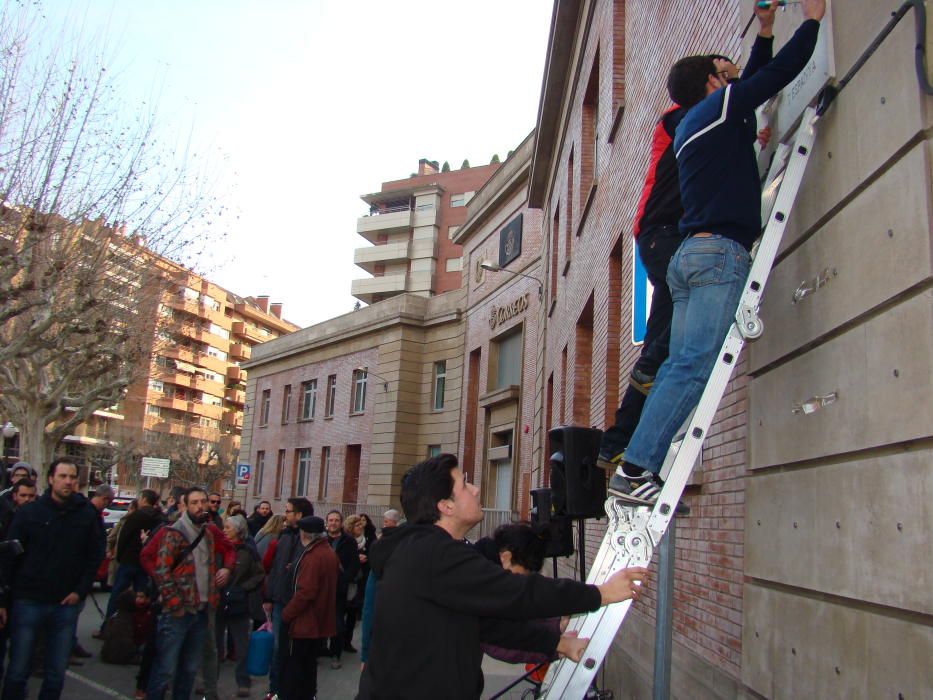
pixel 23 484
pixel 53 467
pixel 303 506
pixel 487 547
pixel 331 512
pixel 148 496
pixel 260 503
pixel 369 528
pixel 526 544
pixel 686 81
pixel 214 493
pixel 424 485
pixel 194 489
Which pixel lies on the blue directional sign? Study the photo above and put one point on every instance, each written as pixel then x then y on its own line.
pixel 242 473
pixel 641 297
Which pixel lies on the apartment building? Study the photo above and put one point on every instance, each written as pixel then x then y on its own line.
pixel 191 404
pixel 411 225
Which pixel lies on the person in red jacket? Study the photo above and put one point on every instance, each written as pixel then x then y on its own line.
pixel 310 615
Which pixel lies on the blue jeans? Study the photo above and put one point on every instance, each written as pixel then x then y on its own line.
pixel 127 575
pixel 27 619
pixel 706 278
pixel 179 647
pixel 277 654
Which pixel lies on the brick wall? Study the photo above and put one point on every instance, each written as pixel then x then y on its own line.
pixel 598 276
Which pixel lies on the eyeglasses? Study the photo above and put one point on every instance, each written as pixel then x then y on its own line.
pixel 215 503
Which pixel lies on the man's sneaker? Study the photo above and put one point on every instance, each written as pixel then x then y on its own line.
pixel 640 381
pixel 609 461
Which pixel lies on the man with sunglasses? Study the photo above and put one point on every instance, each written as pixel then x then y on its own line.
pixel 721 195
pixel 213 509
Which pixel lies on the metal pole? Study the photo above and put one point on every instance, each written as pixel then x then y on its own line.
pixel 663 626
pixel 581 545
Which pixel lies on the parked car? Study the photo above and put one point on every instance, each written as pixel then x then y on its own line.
pixel 115 511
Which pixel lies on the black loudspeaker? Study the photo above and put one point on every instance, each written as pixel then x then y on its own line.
pixel 560 540
pixel 579 485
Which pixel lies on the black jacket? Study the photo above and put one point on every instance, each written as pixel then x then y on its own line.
pixel 348 553
pixel 437 599
pixel 128 543
pixel 63 546
pixel 281 579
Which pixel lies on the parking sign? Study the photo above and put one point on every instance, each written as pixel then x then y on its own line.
pixel 242 474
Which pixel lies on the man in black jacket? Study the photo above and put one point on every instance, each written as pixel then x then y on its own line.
pixel 61 552
pixel 280 583
pixel 438 598
pixel 129 544
pixel 346 550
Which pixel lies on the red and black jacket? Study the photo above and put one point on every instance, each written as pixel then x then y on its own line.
pixel 659 204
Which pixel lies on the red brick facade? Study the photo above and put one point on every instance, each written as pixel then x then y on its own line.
pixel 588 348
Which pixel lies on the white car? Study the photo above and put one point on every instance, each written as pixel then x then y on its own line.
pixel 115 511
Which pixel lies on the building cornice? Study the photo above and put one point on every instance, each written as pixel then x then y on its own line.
pixel 508 179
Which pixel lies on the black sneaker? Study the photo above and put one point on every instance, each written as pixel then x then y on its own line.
pixel 609 461
pixel 640 381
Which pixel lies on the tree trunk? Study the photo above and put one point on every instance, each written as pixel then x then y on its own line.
pixel 32 440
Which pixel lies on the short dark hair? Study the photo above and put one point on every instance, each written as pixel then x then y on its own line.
pixel 148 496
pixel 194 489
pixel 686 81
pixel 214 493
pixel 424 485
pixel 526 544
pixel 330 512
pixel 53 467
pixel 23 484
pixel 302 505
pixel 261 502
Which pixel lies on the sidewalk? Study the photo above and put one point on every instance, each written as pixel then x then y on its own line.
pixel 94 680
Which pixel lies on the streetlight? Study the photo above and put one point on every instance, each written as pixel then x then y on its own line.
pixel 493 267
pixel 385 382
pixel 9 432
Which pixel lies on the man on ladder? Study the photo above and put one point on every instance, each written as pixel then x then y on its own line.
pixel 658 237
pixel 721 196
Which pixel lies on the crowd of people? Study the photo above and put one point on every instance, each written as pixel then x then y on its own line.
pixel 190 580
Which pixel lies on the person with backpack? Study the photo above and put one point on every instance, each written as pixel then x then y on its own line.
pixel 130 572
pixel 187 578
pixel 234 610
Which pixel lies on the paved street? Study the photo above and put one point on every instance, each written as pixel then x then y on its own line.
pixel 94 680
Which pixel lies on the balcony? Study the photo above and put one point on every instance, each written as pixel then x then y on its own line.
pixel 179 353
pixel 235 396
pixel 171 402
pixel 205 409
pixel 232 420
pixel 388 285
pixel 370 256
pixel 211 387
pixel 240 351
pixel 391 221
pixel 245 330
pixel 214 364
pixel 181 303
pixel 235 374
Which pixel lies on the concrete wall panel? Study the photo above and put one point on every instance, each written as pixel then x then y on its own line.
pixel 879 112
pixel 884 389
pixel 867 254
pixel 843 528
pixel 799 651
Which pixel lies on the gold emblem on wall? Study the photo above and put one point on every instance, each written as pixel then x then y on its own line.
pixel 500 314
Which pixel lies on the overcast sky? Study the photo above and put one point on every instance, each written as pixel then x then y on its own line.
pixel 307 104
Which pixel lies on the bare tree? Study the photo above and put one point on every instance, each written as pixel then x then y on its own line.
pixel 91 209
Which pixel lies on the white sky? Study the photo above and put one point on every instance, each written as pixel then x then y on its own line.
pixel 307 104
